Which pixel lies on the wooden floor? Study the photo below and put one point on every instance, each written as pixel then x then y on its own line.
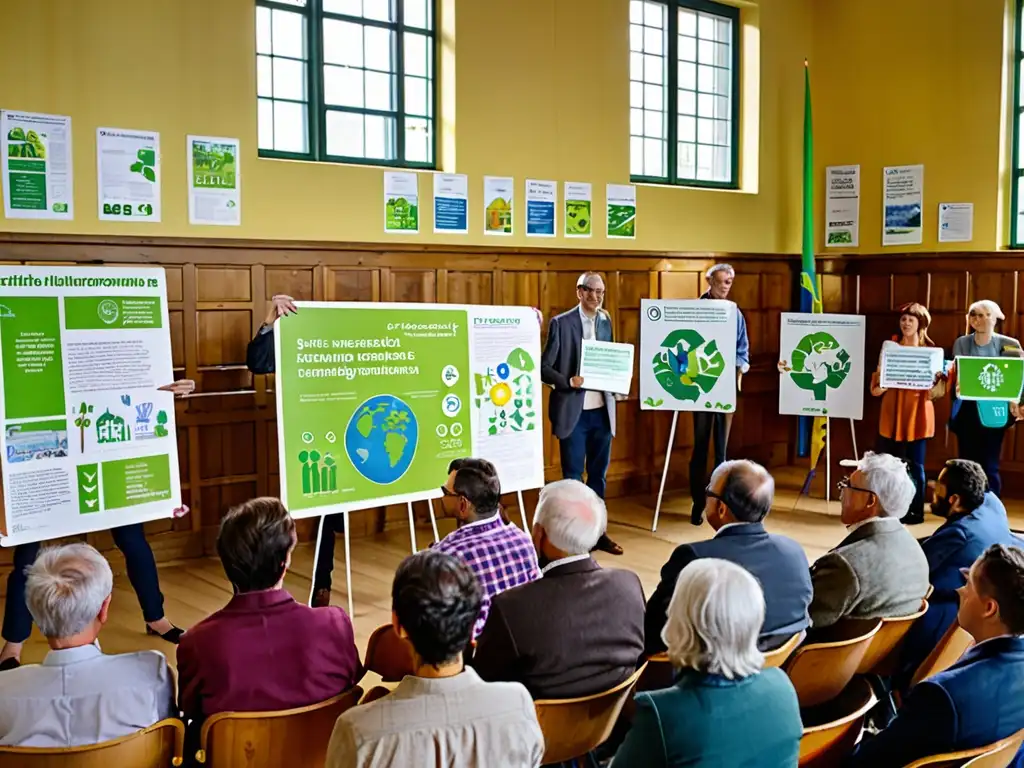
pixel 196 588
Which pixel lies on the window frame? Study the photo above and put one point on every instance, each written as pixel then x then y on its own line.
pixel 317 109
pixel 672 104
pixel 1016 173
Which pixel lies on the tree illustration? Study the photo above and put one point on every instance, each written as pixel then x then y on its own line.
pixel 160 430
pixel 83 422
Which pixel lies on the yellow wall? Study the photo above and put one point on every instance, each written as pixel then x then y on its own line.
pixel 541 90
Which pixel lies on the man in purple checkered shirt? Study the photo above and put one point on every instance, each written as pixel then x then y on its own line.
pixel 501 555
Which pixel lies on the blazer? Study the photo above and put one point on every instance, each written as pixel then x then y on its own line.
pixel 259 355
pixel 561 361
pixel 975 702
pixel 777 562
pixel 877 571
pixel 708 720
pixel 576 631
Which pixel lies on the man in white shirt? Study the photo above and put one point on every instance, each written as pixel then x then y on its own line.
pixel 78 695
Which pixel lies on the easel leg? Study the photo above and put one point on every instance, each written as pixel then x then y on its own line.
pixel 433 520
pixel 853 437
pixel 522 509
pixel 664 472
pixel 412 527
pixel 348 572
pixel 828 461
pixel 316 557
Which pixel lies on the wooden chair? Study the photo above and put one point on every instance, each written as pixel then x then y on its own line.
pixel 388 655
pixel 821 669
pixel 779 656
pixel 946 653
pixel 271 739
pixel 831 730
pixel 998 755
pixel 158 746
pixel 882 656
pixel 573 727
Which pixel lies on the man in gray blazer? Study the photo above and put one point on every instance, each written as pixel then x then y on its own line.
pixel 879 569
pixel 583 420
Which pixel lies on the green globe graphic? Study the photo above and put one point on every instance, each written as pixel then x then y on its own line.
pixel 381 439
pixel 687 365
pixel 820 364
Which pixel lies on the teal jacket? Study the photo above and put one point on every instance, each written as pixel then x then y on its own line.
pixel 706 720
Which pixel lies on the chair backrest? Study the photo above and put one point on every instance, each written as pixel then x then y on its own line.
pixel 388 655
pixel 272 739
pixel 831 731
pixel 882 655
pixel 820 671
pixel 158 746
pixel 573 727
pixel 780 655
pixel 946 653
pixel 998 755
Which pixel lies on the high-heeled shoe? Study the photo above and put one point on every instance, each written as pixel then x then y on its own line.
pixel 172 635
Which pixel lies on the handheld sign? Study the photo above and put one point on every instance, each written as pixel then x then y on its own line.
pixel 607 366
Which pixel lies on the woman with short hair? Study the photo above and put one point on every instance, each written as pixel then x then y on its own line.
pixel 724 708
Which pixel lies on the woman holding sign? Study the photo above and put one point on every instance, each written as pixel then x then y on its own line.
pixel 980 425
pixel 907 419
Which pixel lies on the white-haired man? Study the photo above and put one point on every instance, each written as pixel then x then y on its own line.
pixel 879 569
pixel 579 629
pixel 78 695
pixel 720 278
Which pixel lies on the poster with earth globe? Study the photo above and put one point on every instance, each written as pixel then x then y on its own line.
pixel 687 355
pixel 821 365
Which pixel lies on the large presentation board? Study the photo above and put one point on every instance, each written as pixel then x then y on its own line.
pixel 88 443
pixel 687 355
pixel 821 365
pixel 375 400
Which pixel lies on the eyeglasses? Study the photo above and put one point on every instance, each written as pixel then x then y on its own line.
pixel 599 292
pixel 844 485
pixel 446 491
pixel 712 495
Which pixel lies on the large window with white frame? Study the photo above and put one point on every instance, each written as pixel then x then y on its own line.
pixel 684 63
pixel 349 81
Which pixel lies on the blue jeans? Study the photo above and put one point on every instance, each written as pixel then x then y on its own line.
pixel 139 561
pixel 588 447
pixel 912 452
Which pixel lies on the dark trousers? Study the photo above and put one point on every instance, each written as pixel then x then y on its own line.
pixel 139 561
pixel 703 426
pixel 588 447
pixel 978 443
pixel 325 556
pixel 912 452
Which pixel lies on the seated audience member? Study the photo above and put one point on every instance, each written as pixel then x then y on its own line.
pixel 578 630
pixel 739 498
pixel 79 695
pixel 500 554
pixel 878 570
pixel 263 651
pixel 711 632
pixel 443 714
pixel 975 520
pixel 978 700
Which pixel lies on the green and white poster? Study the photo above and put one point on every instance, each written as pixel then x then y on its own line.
pixel 499 205
pixel 821 365
pixel 579 204
pixel 128 175
pixel 37 167
pixel 990 378
pixel 621 219
pixel 401 203
pixel 374 401
pixel 214 181
pixel 687 355
pixel 88 443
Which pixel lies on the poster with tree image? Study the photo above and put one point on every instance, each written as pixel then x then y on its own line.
pixel 821 365
pixel 215 181
pixel 38 172
pixel 687 355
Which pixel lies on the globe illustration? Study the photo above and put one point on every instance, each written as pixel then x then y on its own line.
pixel 380 439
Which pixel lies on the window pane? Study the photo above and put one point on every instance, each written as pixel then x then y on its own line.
pixel 378 49
pixel 653 41
pixel 687 129
pixel 289 34
pixel 343 43
pixel 344 134
pixel 1020 150
pixel 636 94
pixel 687 101
pixel 416 14
pixel 705 131
pixel 636 66
pixel 379 10
pixel 705 105
pixel 289 79
pixel 654 157
pixel 290 132
pixel 636 38
pixel 705 79
pixel 687 161
pixel 720 169
pixel 723 82
pixel 377 137
pixel 636 122
pixel 1020 208
pixel 262 30
pixel 722 55
pixel 721 107
pixel 687 49
pixel 415 53
pixel 264 76
pixel 299 3
pixel 347 7
pixel 636 156
pixel 417 141
pixel 705 158
pixel 265 111
pixel 415 96
pixel 723 33
pixel 636 12
pixel 378 91
pixel 654 14
pixel 343 87
pixel 654 97
pixel 705 27
pixel 654 124
pixel 687 22
pixel 705 52
pixel 722 136
pixel 654 69
pixel 687 76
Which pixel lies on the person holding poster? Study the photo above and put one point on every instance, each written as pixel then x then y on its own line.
pixel 980 425
pixel 907 419
pixel 582 420
pixel 720 278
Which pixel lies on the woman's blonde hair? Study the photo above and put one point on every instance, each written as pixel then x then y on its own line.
pixel 924 318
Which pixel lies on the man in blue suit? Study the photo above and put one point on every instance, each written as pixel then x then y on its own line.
pixel 583 420
pixel 980 699
pixel 740 496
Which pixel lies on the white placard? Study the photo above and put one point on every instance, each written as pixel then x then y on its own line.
pixel 451 203
pixel 499 205
pixel 842 206
pixel 128 175
pixel 38 170
pixel 909 367
pixel 687 355
pixel 903 205
pixel 956 222
pixel 606 366
pixel 214 181
pixel 821 365
pixel 401 203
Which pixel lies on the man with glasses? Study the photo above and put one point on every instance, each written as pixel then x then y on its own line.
pixel 878 570
pixel 583 420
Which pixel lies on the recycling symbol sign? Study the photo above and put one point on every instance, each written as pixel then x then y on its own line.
pixel 687 365
pixel 990 378
pixel 819 364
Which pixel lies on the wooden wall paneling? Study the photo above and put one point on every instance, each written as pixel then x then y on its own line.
pixel 468 287
pixel 910 288
pixel 413 285
pixel 681 285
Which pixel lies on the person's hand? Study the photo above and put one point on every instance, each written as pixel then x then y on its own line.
pixel 576 382
pixel 280 306
pixel 1016 412
pixel 540 316
pixel 739 380
pixel 180 388
pixel 180 511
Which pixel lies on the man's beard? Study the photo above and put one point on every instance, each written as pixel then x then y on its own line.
pixel 941 507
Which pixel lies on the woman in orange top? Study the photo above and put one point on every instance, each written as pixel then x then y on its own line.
pixel 908 415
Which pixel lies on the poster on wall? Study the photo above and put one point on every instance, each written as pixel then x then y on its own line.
pixel 88 442
pixel 621 219
pixel 541 197
pixel 578 213
pixel 128 175
pixel 375 401
pixel 451 203
pixel 499 196
pixel 214 181
pixel 37 166
pixel 903 205
pixel 401 203
pixel 687 355
pixel 821 365
pixel 956 222
pixel 842 206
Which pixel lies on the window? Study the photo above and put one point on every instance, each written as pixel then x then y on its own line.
pixel 348 81
pixel 1017 184
pixel 684 65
